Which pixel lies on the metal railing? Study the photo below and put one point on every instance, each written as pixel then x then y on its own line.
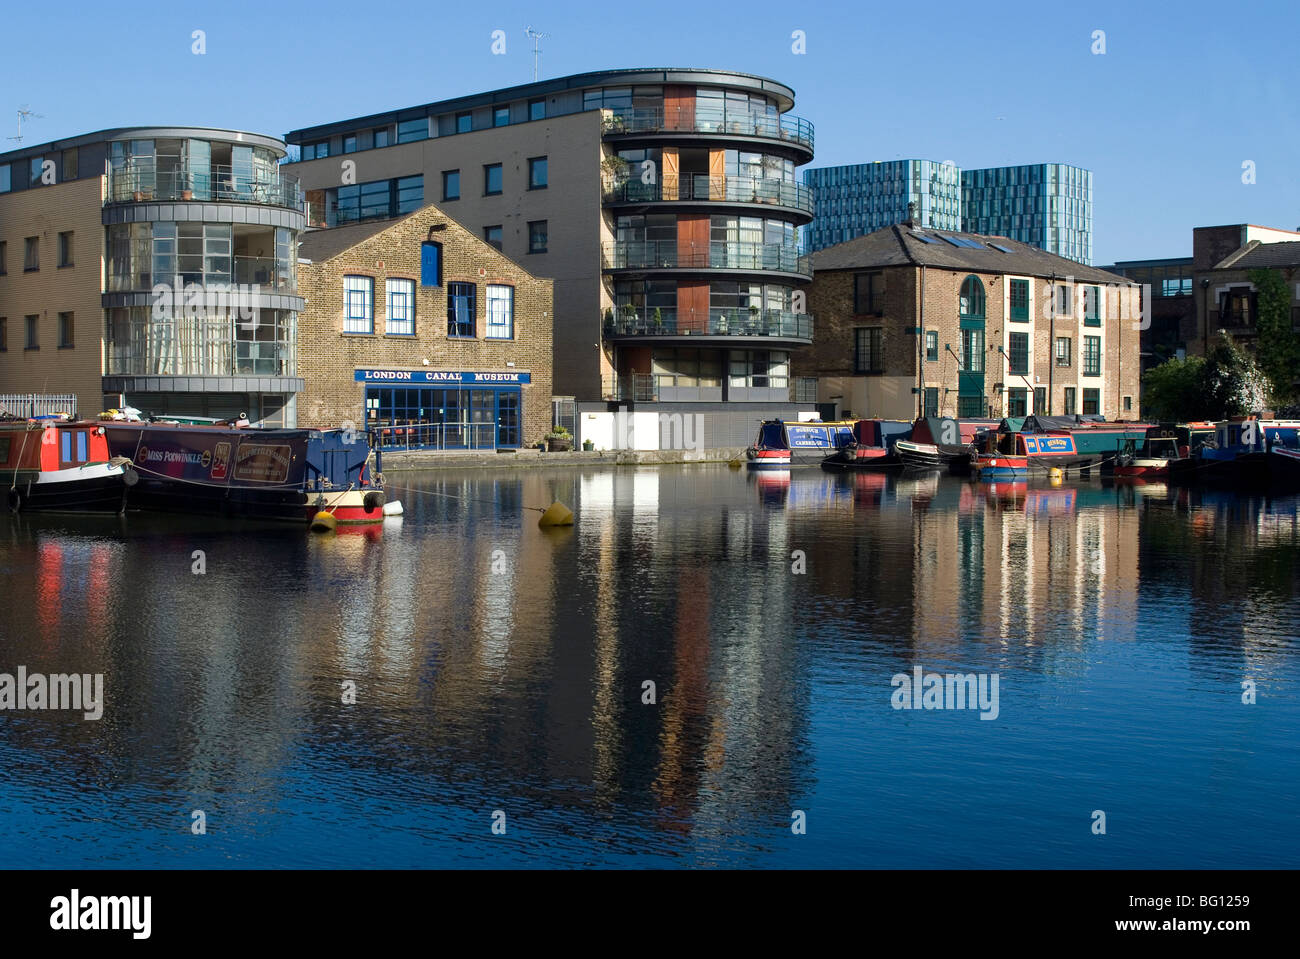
pixel 719 189
pixel 642 387
pixel 714 323
pixel 667 254
pixel 260 271
pixel 38 404
pixel 144 178
pixel 435 436
pixel 695 120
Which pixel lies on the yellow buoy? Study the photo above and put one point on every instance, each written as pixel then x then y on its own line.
pixel 1055 475
pixel 324 522
pixel 557 514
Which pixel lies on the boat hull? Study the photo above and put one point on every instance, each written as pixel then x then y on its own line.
pixel 93 488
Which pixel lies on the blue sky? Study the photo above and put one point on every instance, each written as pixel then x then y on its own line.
pixel 1184 94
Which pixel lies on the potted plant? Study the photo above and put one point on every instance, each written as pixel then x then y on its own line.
pixel 753 318
pixel 588 445
pixel 659 320
pixel 558 440
pixel 629 317
pixel 609 320
pixel 722 323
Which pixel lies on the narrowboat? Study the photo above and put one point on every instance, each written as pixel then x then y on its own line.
pixel 55 464
pixel 1162 446
pixel 1247 453
pixel 1092 434
pixel 1011 455
pixel 941 443
pixel 872 446
pixel 781 444
pixel 287 475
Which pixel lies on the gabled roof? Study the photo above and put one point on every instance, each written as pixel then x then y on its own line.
pixel 901 245
pixel 317 245
pixel 1256 255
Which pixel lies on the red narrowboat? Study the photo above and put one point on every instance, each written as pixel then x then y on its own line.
pixel 57 465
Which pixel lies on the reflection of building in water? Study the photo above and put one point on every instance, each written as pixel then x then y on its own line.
pixel 1025 566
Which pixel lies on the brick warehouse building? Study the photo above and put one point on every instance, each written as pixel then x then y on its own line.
pixel 914 322
pixel 662 202
pixel 424 331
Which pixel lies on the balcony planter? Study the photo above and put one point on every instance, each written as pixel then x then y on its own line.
pixel 187 194
pixel 588 445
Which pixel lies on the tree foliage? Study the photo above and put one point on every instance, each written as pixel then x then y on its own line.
pixel 1226 383
pixel 1278 345
pixel 1172 391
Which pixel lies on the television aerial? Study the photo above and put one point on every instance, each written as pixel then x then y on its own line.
pixel 23 112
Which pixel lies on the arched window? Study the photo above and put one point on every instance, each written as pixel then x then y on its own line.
pixel 971 301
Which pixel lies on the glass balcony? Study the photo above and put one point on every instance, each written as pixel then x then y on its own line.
pixel 145 178
pixel 261 271
pixel 789 129
pixel 668 255
pixel 716 188
pixel 629 321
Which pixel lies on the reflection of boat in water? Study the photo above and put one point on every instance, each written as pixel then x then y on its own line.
pixel 62 466
pixel 797 489
pixel 781 444
pixel 275 474
pixel 873 446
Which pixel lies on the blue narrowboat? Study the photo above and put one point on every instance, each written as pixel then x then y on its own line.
pixel 874 446
pixel 781 444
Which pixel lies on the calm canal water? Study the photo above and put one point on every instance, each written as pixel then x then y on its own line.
pixel 499 667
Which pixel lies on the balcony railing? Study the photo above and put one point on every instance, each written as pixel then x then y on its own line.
pixel 139 179
pixel 715 323
pixel 716 188
pixel 259 271
pixel 693 120
pixel 667 255
pixel 641 387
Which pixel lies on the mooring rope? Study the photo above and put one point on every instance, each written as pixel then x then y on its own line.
pixel 471 499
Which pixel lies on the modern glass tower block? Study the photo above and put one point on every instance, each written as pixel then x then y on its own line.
pixel 1048 205
pixel 852 201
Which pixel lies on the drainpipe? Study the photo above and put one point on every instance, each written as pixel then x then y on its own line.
pixel 920 353
pixel 1051 345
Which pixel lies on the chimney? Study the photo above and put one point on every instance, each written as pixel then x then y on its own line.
pixel 911 214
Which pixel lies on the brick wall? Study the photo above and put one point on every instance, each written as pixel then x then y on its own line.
pixel 328 357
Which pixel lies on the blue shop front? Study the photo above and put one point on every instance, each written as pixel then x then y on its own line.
pixel 444 409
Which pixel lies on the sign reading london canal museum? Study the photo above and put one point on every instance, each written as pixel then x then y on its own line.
pixel 459 377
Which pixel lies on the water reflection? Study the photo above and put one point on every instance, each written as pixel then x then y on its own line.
pixel 498 665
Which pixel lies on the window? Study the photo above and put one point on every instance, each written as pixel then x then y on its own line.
pixel 1018 353
pixel 1092 356
pixel 537 109
pixel 460 309
pixel 1092 402
pixel 350 143
pixel 1069 401
pixel 1064 301
pixel 409 192
pixel 756 369
pixel 36 171
pixel 358 304
pixel 70 163
pixel 1236 307
pixel 430 263
pixel 31 253
pixel 868 357
pixel 1063 350
pixel 931 401
pixel 537 173
pixel 537 236
pixel 33 332
pixel 491 179
pixel 970 301
pixel 65 249
pixel 1128 404
pixel 972 353
pixel 464 122
pixel 65 331
pixel 1020 301
pixel 501 117
pixel 492 234
pixel 805 389
pixel 409 130
pixel 1092 306
pixel 314 151
pixel 381 137
pixel 5 183
pixel 4 335
pixel 1016 402
pixel 451 184
pixel 401 307
pixel 500 312
pixel 1040 400
pixel 932 345
pixel 4 256
pixel 868 290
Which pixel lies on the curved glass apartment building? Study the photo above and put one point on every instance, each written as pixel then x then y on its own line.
pixel 664 204
pixel 184 239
